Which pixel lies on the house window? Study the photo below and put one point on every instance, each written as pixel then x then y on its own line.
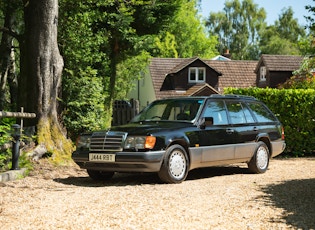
pixel 197 74
pixel 262 73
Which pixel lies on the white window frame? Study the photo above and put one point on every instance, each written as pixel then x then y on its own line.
pixel 199 79
pixel 262 73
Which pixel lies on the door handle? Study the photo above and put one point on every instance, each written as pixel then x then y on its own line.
pixel 255 129
pixel 229 131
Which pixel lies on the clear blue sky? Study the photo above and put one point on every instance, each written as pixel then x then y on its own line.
pixel 273 8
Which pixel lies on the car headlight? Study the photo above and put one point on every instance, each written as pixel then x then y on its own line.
pixel 140 142
pixel 83 141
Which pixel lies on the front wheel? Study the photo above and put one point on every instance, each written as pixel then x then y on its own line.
pixel 174 168
pixel 260 160
pixel 100 175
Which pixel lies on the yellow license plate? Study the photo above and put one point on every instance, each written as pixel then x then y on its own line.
pixel 102 157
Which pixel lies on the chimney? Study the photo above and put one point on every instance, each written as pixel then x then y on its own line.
pixel 227 54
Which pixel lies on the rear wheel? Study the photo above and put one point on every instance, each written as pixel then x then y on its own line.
pixel 100 175
pixel 260 160
pixel 174 168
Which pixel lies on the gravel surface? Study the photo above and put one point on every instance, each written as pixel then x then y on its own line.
pixel 213 198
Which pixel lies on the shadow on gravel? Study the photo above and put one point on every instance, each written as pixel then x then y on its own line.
pixel 297 199
pixel 127 179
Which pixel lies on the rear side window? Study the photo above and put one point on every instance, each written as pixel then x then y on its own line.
pixel 261 113
pixel 236 113
pixel 248 115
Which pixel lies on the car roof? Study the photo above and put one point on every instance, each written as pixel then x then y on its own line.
pixel 232 96
pixel 215 96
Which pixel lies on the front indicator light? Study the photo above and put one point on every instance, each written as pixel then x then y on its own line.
pixel 150 142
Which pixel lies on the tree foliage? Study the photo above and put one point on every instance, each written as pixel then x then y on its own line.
pixel 186 35
pixel 308 44
pixel 304 77
pixel 242 29
pixel 104 43
pixel 283 37
pixel 238 27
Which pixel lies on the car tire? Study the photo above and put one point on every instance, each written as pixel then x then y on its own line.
pixel 100 175
pixel 174 168
pixel 260 160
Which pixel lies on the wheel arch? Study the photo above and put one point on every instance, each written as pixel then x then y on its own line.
pixel 266 140
pixel 185 145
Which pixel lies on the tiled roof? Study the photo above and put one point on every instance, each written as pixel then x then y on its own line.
pixel 238 74
pixel 159 68
pixel 280 62
pixel 194 90
pixel 186 62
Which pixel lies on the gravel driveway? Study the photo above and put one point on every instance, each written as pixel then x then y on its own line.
pixel 213 198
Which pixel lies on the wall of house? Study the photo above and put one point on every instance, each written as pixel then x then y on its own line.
pixel 260 83
pixel 276 78
pixel 181 78
pixel 143 91
pixel 273 79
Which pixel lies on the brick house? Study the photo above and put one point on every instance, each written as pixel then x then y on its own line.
pixel 175 77
pixel 273 70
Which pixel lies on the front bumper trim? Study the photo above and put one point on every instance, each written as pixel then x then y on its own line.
pixel 125 162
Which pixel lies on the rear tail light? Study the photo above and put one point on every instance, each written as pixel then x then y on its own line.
pixel 282 133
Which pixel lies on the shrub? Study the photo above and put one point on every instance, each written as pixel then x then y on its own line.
pixel 5 137
pixel 295 109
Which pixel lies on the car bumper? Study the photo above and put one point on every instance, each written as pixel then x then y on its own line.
pixel 277 148
pixel 124 161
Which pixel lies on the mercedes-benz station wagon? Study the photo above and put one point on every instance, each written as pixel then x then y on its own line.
pixel 173 136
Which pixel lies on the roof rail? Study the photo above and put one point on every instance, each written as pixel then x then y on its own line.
pixel 232 96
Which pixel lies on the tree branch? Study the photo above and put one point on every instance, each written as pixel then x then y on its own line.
pixel 11 33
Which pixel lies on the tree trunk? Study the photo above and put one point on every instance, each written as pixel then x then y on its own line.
pixel 6 62
pixel 41 69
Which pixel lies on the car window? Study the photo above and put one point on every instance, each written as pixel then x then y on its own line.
pixel 216 110
pixel 170 110
pixel 248 115
pixel 235 111
pixel 156 111
pixel 261 113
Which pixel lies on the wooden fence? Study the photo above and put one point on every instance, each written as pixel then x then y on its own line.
pixel 124 111
pixel 20 115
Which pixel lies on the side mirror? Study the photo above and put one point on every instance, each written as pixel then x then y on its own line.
pixel 205 122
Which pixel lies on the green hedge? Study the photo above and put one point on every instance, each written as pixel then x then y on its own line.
pixel 295 108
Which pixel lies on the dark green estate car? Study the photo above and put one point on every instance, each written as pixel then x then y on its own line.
pixel 173 136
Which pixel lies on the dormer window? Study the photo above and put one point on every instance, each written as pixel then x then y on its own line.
pixel 197 75
pixel 262 73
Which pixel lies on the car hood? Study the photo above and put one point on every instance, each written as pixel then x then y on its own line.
pixel 150 127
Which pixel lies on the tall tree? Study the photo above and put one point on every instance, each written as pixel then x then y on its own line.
pixel 283 36
pixel 8 75
pixel 41 68
pixel 97 39
pixel 308 44
pixel 238 28
pixel 186 36
pixel 127 23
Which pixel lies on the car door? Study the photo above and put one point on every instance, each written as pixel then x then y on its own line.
pixel 244 128
pixel 216 139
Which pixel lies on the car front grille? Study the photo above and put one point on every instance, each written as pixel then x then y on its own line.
pixel 107 141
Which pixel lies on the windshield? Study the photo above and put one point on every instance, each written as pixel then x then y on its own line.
pixel 184 109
